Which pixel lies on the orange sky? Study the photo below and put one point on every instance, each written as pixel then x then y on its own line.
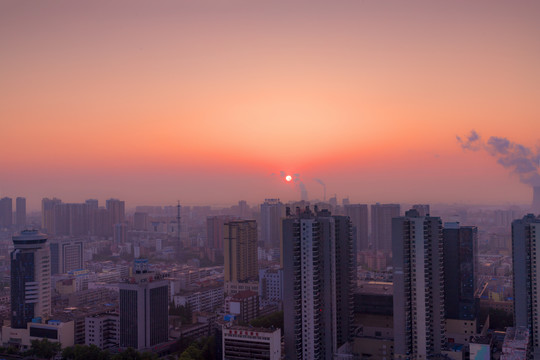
pixel 201 101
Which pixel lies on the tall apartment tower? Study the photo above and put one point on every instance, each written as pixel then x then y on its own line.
pixel 30 278
pixel 144 319
pixel 20 212
pixel 419 329
pixel 381 225
pixel 6 213
pixel 48 223
pixel 318 283
pixel 359 218
pixel 116 210
pixel 460 248
pixel 272 213
pixel 525 241
pixel 240 251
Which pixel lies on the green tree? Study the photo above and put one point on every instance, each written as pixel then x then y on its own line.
pixel 45 349
pixel 271 320
pixel 85 352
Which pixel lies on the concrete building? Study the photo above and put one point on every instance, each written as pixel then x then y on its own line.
pixel 102 330
pixel 6 213
pixel 516 345
pixel 359 218
pixel 116 209
pixel 460 248
pixel 381 226
pixel 272 213
pixel 30 279
pixel 20 213
pixel 31 295
pixel 47 215
pixel 319 267
pixel 419 327
pixel 240 342
pixel 244 305
pixel 271 284
pixel 144 319
pixel 526 276
pixel 66 255
pixel 201 299
pixel 240 251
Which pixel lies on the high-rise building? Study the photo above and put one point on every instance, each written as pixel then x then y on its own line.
pixel 525 242
pixel 423 209
pixel 6 213
pixel 318 281
pixel 272 213
pixel 116 210
pixel 20 212
pixel 240 251
pixel 381 225
pixel 359 218
pixel 30 279
pixel 144 319
pixel 48 223
pixel 460 249
pixel 419 327
pixel 140 221
pixel 460 246
pixel 66 255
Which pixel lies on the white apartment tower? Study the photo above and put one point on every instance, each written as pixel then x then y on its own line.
pixel 419 329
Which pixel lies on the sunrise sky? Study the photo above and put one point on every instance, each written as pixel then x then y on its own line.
pixel 202 101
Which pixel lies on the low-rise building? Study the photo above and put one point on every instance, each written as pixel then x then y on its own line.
pixel 241 342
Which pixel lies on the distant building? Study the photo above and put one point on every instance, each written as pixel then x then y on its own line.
pixel 47 215
pixel 140 221
pixel 419 326
pixel 20 212
pixel 6 213
pixel 240 251
pixel 116 210
pixel 143 309
pixel 381 225
pixel 242 342
pixel 359 218
pixel 526 277
pixel 272 213
pixel 319 267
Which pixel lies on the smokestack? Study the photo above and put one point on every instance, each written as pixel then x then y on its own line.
pixel 536 200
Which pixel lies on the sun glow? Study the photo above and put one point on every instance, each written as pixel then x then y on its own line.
pixel 288 178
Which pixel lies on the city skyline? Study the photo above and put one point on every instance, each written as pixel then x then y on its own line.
pixel 202 102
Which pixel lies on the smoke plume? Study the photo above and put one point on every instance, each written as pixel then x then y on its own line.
pixel 520 159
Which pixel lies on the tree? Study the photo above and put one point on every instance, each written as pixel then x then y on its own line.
pixel 84 352
pixel 274 320
pixel 45 349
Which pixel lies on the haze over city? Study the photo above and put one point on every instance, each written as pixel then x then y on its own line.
pixel 202 102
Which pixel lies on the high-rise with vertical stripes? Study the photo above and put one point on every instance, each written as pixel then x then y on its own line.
pixel 319 268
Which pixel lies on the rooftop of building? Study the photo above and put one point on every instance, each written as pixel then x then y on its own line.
pixel 252 329
pixel 375 287
pixel 244 295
